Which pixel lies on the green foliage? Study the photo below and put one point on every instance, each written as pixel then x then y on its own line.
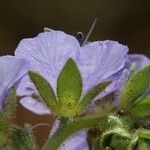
pixel 116 138
pixel 93 93
pixel 135 87
pixel 111 121
pixel 44 90
pixel 144 134
pixel 140 109
pixel 22 139
pixel 10 107
pixel 2 130
pixel 143 145
pixel 69 88
pixel 6 119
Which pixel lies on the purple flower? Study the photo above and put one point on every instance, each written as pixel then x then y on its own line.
pixel 49 51
pixel 11 70
pixel 139 59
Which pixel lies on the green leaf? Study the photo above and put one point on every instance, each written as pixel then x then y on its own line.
pixel 44 90
pixel 69 87
pixel 140 109
pixel 135 87
pixel 93 93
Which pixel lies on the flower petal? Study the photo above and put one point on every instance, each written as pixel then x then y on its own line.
pixel 76 142
pixel 99 60
pixel 26 87
pixel 34 106
pixel 139 59
pixel 11 70
pixel 48 53
pixel 54 127
pixel 119 80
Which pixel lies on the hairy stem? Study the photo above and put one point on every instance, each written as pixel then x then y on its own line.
pixel 65 132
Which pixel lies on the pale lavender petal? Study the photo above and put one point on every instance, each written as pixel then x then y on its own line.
pixel 55 127
pixel 76 142
pixel 118 83
pixel 11 70
pixel 26 87
pixel 34 106
pixel 100 60
pixel 48 52
pixel 139 59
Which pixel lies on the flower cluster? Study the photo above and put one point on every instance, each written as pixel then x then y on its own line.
pixel 98 93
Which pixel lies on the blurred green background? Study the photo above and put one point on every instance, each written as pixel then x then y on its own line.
pixel 126 21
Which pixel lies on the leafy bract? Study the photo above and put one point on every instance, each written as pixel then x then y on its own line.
pixel 93 93
pixel 141 108
pixel 135 87
pixel 69 84
pixel 69 88
pixel 44 90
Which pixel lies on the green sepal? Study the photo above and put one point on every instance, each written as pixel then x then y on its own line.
pixel 21 139
pixel 10 106
pixel 140 140
pixel 116 138
pixel 45 90
pixel 93 138
pixel 94 135
pixel 69 88
pixel 140 109
pixel 2 130
pixel 135 87
pixel 86 100
pixel 111 121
